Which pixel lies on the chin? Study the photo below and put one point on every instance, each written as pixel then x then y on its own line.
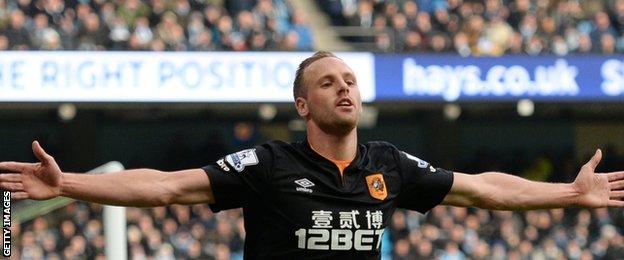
pixel 339 127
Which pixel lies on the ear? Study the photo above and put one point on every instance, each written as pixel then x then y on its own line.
pixel 302 106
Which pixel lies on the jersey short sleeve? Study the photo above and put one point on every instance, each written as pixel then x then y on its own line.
pixel 238 177
pixel 423 185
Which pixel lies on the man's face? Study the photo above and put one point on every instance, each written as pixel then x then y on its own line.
pixel 333 99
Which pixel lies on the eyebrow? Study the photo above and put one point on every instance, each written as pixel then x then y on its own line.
pixel 330 76
pixel 348 74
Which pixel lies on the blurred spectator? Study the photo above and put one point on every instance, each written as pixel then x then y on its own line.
pixel 142 35
pixel 68 32
pixel 17 32
pixel 585 44
pixel 93 35
pixel 119 34
pixel 131 10
pixel 4 14
pixel 304 34
pixel 195 27
pixel 607 44
pixel 4 42
pixel 515 44
pixel 602 26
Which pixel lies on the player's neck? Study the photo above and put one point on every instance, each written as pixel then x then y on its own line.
pixel 338 148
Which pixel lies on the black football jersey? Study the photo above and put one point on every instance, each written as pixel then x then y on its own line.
pixel 296 205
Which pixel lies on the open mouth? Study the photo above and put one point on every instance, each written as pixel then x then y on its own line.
pixel 345 102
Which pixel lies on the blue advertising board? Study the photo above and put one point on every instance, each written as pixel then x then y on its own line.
pixel 268 76
pixel 453 78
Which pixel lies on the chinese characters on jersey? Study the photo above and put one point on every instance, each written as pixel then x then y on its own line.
pixel 346 234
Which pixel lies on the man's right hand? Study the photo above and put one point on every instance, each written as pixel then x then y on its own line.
pixel 39 181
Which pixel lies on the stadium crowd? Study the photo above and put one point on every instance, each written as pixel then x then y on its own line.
pixel 175 232
pixel 486 28
pixel 479 28
pixel 194 232
pixel 154 25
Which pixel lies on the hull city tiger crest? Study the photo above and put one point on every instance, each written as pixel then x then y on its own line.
pixel 376 186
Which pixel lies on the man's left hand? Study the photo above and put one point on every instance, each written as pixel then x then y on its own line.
pixel 599 190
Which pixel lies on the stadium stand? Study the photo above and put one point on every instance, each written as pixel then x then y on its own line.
pixel 481 28
pixel 477 28
pixel 489 28
pixel 157 25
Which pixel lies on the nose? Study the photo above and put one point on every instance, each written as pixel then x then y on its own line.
pixel 343 87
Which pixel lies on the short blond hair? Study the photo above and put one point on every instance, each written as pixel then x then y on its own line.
pixel 299 89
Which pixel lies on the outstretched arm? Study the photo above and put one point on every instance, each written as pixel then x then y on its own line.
pixel 140 187
pixel 493 190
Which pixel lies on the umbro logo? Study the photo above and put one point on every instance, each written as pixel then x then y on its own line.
pixel 305 185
